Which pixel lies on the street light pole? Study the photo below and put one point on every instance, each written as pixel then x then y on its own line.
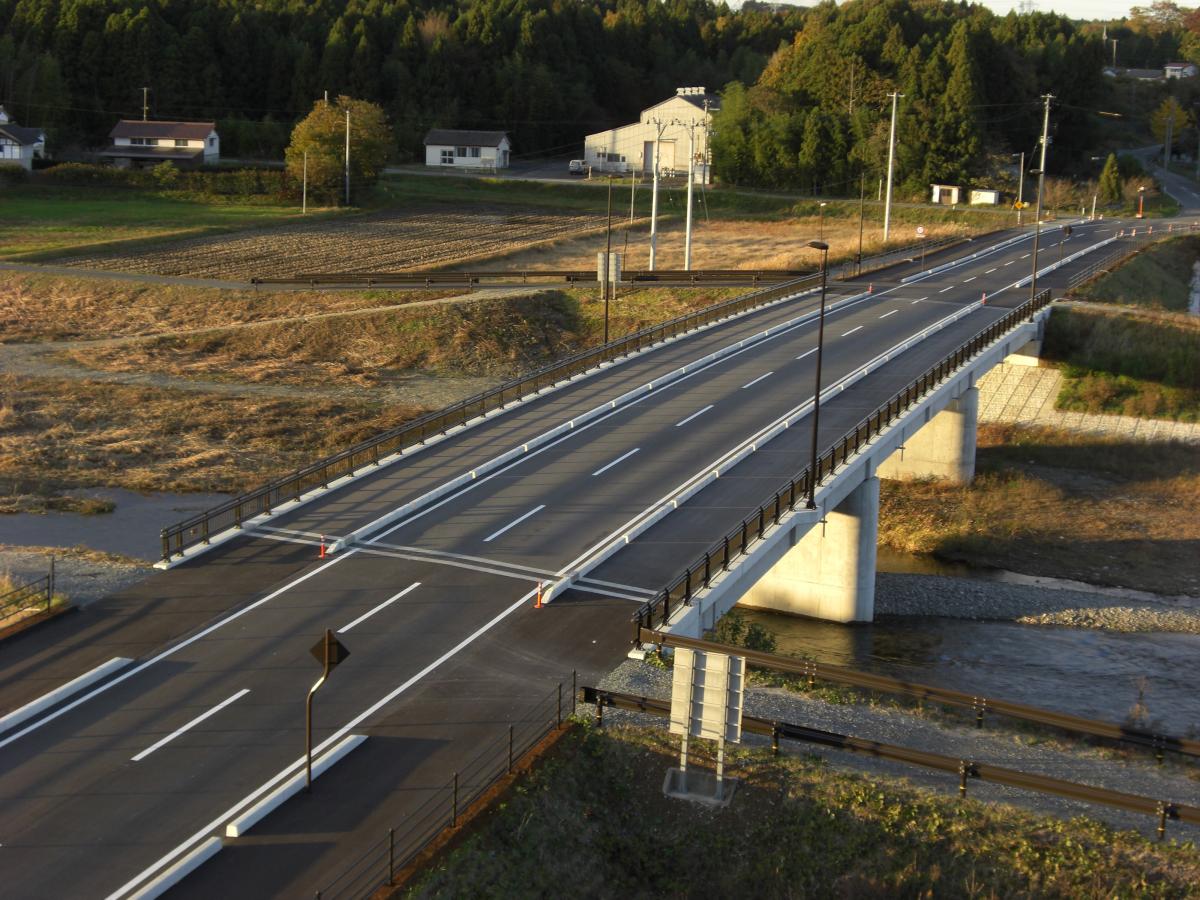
pixel 821 226
pixel 887 206
pixel 661 127
pixel 812 473
pixel 1141 197
pixel 1020 186
pixel 862 197
pixel 1037 225
pixel 607 257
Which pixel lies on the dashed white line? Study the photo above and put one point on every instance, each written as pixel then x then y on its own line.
pixel 620 458
pixel 892 313
pixel 1026 256
pixel 1010 262
pixel 386 603
pixel 852 330
pixel 694 415
pixel 991 270
pixel 514 523
pixel 807 353
pixel 919 299
pixel 192 724
pixel 757 380
pixel 969 280
pixel 948 288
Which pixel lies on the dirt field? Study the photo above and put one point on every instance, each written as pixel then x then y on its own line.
pixel 392 240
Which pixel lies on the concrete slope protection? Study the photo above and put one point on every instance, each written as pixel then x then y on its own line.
pixel 146 768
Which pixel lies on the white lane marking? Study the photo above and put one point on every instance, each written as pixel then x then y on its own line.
pixel 969 280
pixel 386 603
pixel 514 523
pixel 47 700
pixel 606 592
pixel 621 458
pixel 807 353
pixel 757 380
pixel 851 331
pixel 991 270
pixel 633 589
pixel 192 724
pixel 1026 256
pixel 176 648
pixel 1010 262
pixel 439 555
pixel 438 561
pixel 948 288
pixel 317 751
pixel 919 299
pixel 694 415
pixel 892 313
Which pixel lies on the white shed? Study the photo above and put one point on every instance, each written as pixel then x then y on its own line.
pixel 671 124
pixel 946 194
pixel 984 197
pixel 467 149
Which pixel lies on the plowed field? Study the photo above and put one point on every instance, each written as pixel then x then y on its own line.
pixel 376 242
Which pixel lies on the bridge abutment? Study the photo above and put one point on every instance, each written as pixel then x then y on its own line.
pixel 943 447
pixel 829 573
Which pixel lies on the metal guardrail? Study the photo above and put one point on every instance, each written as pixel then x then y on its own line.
pixel 717 559
pixel 381 863
pixel 534 276
pixel 200 528
pixel 31 595
pixel 978 704
pixel 963 768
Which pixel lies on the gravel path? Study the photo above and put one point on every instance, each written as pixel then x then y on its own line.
pixel 1034 603
pixel 82 578
pixel 1093 766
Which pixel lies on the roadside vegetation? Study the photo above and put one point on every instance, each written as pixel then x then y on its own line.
pixel 592 814
pixel 1046 502
pixel 1158 277
pixel 1133 363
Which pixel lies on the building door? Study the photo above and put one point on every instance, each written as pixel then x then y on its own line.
pixel 648 158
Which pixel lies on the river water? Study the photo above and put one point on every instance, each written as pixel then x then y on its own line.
pixel 1098 674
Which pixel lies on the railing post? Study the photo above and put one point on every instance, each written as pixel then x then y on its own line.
pixel 510 749
pixel 725 555
pixel 454 807
pixel 391 855
pixel 558 718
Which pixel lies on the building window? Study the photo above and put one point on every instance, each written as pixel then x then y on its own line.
pixel 212 142
pixel 460 151
pixel 137 142
pixel 475 153
pixel 447 157
pixel 180 143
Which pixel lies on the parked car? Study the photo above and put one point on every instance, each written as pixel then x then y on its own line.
pixel 577 167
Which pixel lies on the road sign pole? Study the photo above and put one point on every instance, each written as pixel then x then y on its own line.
pixel 329 652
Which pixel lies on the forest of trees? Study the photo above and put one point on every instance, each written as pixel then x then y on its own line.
pixel 805 90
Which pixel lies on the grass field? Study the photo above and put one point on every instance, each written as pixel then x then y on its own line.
pixel 592 815
pixel 1159 277
pixel 41 221
pixel 1046 502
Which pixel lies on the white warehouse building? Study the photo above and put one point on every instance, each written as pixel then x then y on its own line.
pixel 672 123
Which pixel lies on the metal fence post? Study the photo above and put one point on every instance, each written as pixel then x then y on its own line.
pixel 454 807
pixel 391 855
pixel 510 749
pixel 558 719
pixel 50 584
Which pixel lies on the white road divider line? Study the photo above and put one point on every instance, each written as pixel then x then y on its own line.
pixel 807 353
pixel 621 458
pixel 694 415
pixel 386 603
pixel 32 708
pixel 851 331
pixel 892 313
pixel 1026 256
pixel 757 380
pixel 947 288
pixel 969 280
pixel 514 523
pixel 991 270
pixel 190 725
pixel 1010 262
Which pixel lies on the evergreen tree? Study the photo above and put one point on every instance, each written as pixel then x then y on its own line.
pixel 1110 180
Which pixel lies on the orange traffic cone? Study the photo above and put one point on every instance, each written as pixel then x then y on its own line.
pixel 984 301
pixel 322 554
pixel 871 288
pixel 537 604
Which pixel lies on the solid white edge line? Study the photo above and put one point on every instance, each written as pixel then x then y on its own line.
pixel 291 788
pixel 620 458
pixel 192 724
pixel 175 649
pixel 386 603
pixel 33 707
pixel 514 523
pixel 852 330
pixel 892 313
pixel 180 870
pixel 332 739
pixel 758 379
pixel 698 412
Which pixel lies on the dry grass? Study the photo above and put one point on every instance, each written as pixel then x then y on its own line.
pixel 1046 502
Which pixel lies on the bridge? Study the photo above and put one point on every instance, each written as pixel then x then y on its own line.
pixel 591 487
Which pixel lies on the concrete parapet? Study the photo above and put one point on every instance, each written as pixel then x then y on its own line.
pixel 943 447
pixel 829 573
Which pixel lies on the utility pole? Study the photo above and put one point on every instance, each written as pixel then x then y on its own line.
pixel 1037 225
pixel 661 126
pixel 887 206
pixel 862 198
pixel 1114 53
pixel 304 187
pixel 145 103
pixel 607 257
pixel 347 156
pixel 632 197
pixel 1021 188
pixel 1167 142
pixel 687 240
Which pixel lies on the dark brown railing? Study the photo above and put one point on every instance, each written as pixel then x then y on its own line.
pixel 697 576
pixel 199 529
pixel 35 594
pixel 964 768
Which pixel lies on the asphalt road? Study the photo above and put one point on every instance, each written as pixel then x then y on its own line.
pixel 435 608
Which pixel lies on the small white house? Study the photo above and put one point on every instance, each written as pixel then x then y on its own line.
pixel 147 143
pixel 1179 70
pixel 983 197
pixel 669 127
pixel 467 149
pixel 18 145
pixel 946 194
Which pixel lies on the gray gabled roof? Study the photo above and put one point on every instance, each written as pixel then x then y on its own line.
pixel 189 131
pixel 456 137
pixel 26 137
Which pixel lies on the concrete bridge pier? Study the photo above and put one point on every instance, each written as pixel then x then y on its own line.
pixel 829 573
pixel 942 447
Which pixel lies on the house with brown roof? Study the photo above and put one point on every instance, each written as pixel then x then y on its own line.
pixel 19 145
pixel 467 149
pixel 147 143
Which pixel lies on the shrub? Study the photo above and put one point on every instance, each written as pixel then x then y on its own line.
pixel 11 173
